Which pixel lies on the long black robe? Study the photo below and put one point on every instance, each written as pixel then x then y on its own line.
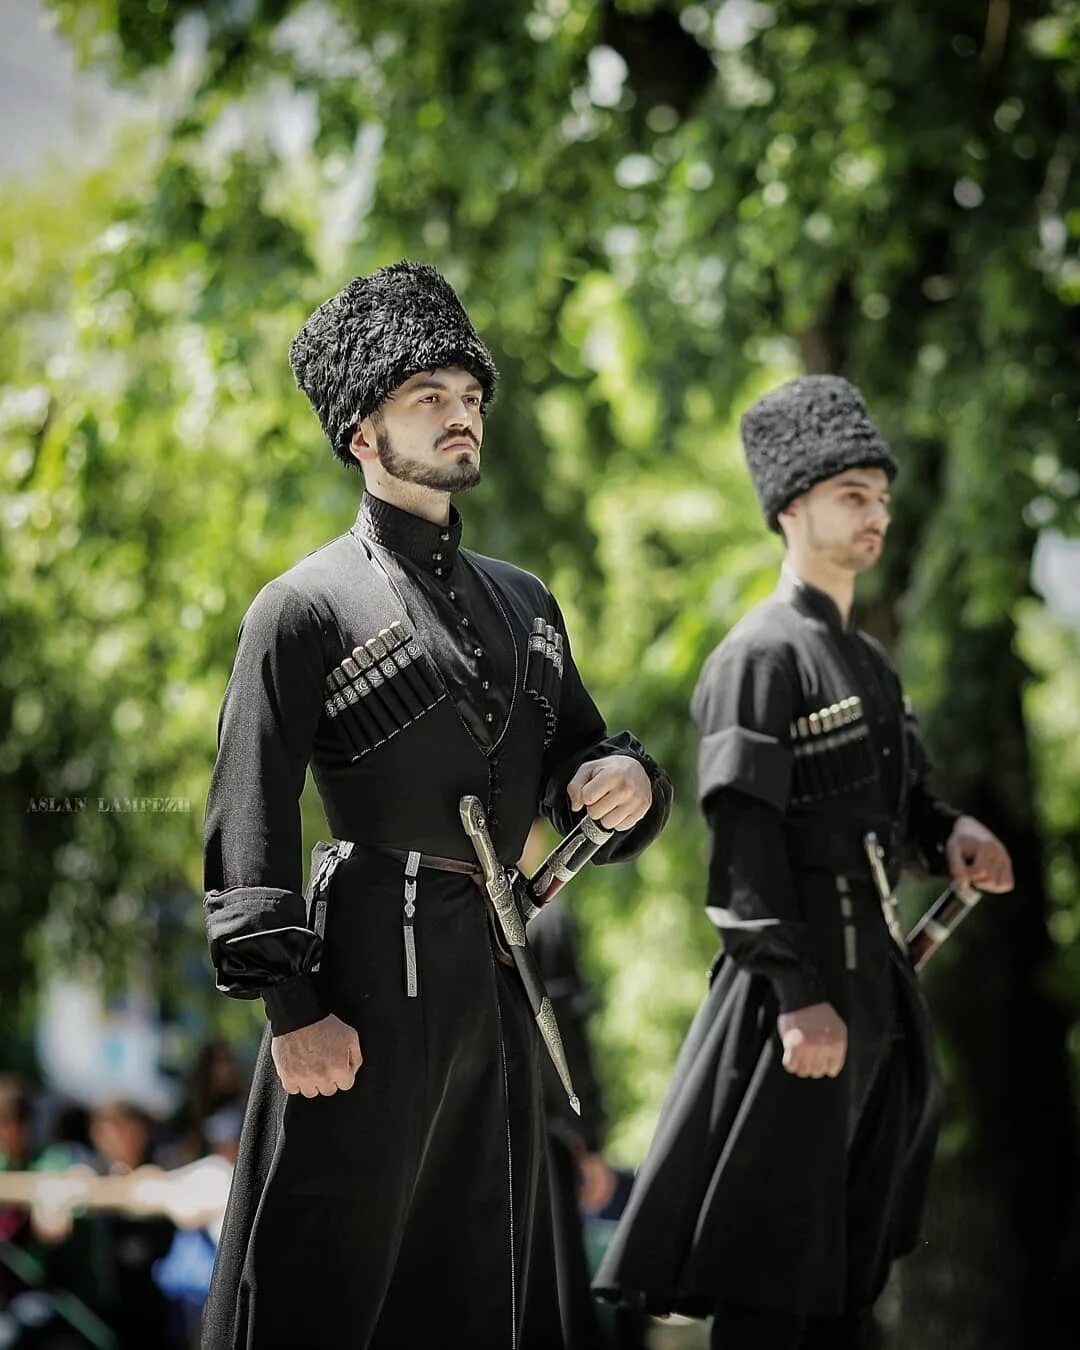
pixel 410 1209
pixel 762 1189
pixel 553 937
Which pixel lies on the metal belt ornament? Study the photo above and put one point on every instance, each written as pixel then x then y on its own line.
pixel 500 891
pixel 939 922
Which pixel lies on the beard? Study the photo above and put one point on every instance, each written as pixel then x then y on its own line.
pixel 850 553
pixel 458 475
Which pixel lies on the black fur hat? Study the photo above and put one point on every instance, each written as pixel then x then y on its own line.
pixel 804 432
pixel 364 342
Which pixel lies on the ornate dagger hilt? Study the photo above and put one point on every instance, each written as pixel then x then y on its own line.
pixel 496 882
pixel 501 895
pixel 875 856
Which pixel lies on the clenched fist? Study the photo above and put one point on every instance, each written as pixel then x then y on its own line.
pixel 318 1060
pixel 814 1039
pixel 977 856
pixel 615 791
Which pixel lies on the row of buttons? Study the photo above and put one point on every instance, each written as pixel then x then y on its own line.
pixel 478 652
pixel 438 557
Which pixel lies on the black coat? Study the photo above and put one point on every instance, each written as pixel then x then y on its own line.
pixel 760 1188
pixel 553 938
pixel 410 1209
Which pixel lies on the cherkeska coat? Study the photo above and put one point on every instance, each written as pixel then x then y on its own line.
pixel 409 1210
pixel 761 1189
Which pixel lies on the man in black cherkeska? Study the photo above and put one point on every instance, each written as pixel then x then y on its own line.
pixel 791 1158
pixel 389 1189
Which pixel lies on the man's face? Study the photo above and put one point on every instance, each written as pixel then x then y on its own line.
pixel 120 1137
pixel 843 519
pixel 429 430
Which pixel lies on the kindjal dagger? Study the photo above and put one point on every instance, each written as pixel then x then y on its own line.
pixel 501 894
pixel 939 922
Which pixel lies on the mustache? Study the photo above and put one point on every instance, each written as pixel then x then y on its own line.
pixel 465 434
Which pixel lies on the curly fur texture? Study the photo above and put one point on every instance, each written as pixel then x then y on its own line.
pixel 364 342
pixel 804 432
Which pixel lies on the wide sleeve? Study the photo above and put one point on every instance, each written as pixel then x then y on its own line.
pixel 261 942
pixel 580 736
pixel 743 706
pixel 929 821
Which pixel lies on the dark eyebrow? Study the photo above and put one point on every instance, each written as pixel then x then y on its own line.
pixel 431 383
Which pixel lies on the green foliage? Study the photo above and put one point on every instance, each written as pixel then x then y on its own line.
pixel 653 212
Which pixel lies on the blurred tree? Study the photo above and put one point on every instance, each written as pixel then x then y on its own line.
pixel 654 210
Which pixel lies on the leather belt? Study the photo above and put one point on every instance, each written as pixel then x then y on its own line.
pixel 433 861
pixel 820 845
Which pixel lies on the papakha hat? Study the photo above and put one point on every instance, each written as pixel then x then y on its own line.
pixel 804 432
pixel 364 342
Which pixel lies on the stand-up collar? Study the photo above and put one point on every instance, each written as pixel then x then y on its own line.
pixel 432 547
pixel 808 600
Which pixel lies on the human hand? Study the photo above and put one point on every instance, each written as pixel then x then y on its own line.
pixel 615 791
pixel 977 857
pixel 814 1040
pixel 318 1060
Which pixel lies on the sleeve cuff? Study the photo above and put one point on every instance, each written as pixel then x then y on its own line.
pixel 798 989
pixel 293 1005
pixel 936 840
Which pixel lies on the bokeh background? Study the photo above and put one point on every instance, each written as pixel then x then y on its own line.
pixel 654 210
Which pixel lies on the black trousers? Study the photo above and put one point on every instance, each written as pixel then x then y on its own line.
pixel 736 1328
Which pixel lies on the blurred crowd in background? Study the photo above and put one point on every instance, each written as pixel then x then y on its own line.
pixel 76 1274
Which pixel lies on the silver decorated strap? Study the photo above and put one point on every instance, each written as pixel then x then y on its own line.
pixel 412 867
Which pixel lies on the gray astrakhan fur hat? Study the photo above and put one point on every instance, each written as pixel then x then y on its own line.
pixel 364 342
pixel 804 432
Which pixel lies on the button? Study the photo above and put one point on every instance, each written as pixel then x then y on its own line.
pixel 464 621
pixel 452 595
pixel 437 557
pixel 886 751
pixel 439 571
pixel 489 717
pixel 445 536
pixel 478 651
pixel 485 684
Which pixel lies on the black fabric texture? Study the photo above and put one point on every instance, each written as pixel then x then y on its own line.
pixel 739 757
pixel 348 1197
pixel 577 1308
pixel 804 432
pixel 753 901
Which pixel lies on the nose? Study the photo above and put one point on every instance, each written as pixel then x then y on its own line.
pixel 879 515
pixel 458 413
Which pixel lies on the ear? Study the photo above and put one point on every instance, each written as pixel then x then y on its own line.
pixel 362 444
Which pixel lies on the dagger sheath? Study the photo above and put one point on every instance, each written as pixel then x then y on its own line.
pixel 501 895
pixel 941 920
pixel 564 862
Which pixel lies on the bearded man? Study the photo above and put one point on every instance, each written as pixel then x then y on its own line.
pixel 389 1188
pixel 790 1162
